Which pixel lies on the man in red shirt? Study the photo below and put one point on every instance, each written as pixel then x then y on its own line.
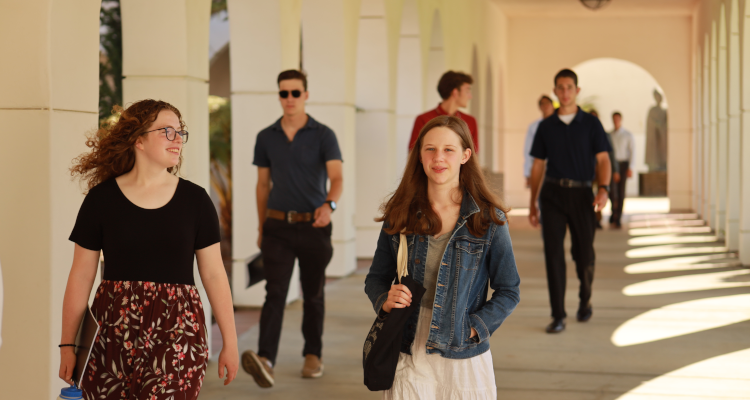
pixel 455 90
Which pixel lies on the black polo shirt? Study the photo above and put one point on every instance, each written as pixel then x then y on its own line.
pixel 570 150
pixel 298 168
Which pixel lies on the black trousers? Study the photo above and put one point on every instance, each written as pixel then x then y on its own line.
pixel 560 208
pixel 282 244
pixel 617 192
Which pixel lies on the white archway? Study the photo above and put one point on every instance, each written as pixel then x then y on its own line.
pixel 611 85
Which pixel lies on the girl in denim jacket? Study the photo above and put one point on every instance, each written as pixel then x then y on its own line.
pixel 458 247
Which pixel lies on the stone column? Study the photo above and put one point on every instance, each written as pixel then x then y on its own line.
pixel 329 40
pixel 706 137
pixel 376 124
pixel 264 41
pixel 49 90
pixel 165 57
pixel 713 133
pixel 733 140
pixel 722 133
pixel 409 92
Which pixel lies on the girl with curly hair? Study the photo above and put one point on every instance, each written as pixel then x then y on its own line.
pixel 150 225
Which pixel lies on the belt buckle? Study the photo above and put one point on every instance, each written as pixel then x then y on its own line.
pixel 290 217
pixel 566 183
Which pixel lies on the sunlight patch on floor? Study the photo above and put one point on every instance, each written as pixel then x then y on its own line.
pixel 689 283
pixel 669 229
pixel 683 319
pixel 684 264
pixel 665 222
pixel 641 217
pixel 670 239
pixel 669 250
pixel 722 377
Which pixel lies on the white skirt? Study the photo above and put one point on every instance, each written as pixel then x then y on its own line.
pixel 423 376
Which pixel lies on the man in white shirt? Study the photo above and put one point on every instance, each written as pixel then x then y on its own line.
pixel 623 145
pixel 547 109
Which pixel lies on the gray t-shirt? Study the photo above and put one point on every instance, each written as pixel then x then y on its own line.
pixel 435 251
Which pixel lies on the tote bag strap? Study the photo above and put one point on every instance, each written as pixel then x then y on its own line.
pixel 403 257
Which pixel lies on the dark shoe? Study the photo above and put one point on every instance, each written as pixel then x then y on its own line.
pixel 313 368
pixel 556 326
pixel 259 368
pixel 616 225
pixel 584 314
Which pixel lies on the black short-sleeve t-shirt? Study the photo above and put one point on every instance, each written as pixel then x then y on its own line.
pixel 154 245
pixel 570 150
pixel 298 168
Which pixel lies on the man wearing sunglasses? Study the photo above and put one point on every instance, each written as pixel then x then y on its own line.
pixel 298 155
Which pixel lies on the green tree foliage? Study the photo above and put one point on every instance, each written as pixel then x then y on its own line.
pixel 218 6
pixel 110 62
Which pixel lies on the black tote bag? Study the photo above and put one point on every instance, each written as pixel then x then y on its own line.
pixel 383 343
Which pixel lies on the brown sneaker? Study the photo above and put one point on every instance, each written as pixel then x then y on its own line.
pixel 259 368
pixel 313 368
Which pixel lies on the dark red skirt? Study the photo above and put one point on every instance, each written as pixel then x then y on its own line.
pixel 152 343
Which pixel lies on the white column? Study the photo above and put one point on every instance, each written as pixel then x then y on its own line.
pixel 713 133
pixel 49 90
pixel 376 124
pixel 270 29
pixel 166 58
pixel 706 137
pixel 409 92
pixel 722 134
pixel 435 63
pixel 744 240
pixel 697 130
pixel 329 30
pixel 733 138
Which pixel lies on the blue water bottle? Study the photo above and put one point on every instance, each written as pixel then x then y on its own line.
pixel 71 393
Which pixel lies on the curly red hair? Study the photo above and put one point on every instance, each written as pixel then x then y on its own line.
pixel 113 144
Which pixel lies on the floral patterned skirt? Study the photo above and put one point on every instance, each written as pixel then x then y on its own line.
pixel 151 345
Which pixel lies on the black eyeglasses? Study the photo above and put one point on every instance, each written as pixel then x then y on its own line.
pixel 172 133
pixel 285 93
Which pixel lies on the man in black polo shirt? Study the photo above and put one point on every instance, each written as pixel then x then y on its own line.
pixel 573 142
pixel 297 154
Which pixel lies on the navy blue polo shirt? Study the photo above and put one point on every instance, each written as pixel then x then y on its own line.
pixel 298 168
pixel 570 150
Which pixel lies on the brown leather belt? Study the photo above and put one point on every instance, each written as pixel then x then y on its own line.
pixel 568 183
pixel 290 216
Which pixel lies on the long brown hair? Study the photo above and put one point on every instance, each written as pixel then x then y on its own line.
pixel 113 144
pixel 409 209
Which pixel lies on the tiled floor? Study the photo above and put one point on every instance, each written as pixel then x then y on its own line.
pixel 665 350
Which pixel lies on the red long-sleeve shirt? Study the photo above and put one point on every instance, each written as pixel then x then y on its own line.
pixel 423 119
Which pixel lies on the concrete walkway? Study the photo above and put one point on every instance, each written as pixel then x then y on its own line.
pixel 656 336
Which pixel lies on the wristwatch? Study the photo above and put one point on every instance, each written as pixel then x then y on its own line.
pixel 605 187
pixel 332 204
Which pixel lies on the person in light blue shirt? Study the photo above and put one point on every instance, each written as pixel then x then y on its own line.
pixel 547 108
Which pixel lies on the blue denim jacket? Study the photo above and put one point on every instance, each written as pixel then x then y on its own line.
pixel 469 266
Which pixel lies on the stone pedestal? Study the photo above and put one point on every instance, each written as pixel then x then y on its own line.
pixel 653 184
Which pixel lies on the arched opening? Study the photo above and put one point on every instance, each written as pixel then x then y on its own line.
pixel 609 85
pixel 409 93
pixel 435 62
pixel 733 133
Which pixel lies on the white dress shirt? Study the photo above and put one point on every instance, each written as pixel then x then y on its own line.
pixel 528 159
pixel 623 144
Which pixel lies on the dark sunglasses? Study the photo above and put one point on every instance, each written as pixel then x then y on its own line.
pixel 285 93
